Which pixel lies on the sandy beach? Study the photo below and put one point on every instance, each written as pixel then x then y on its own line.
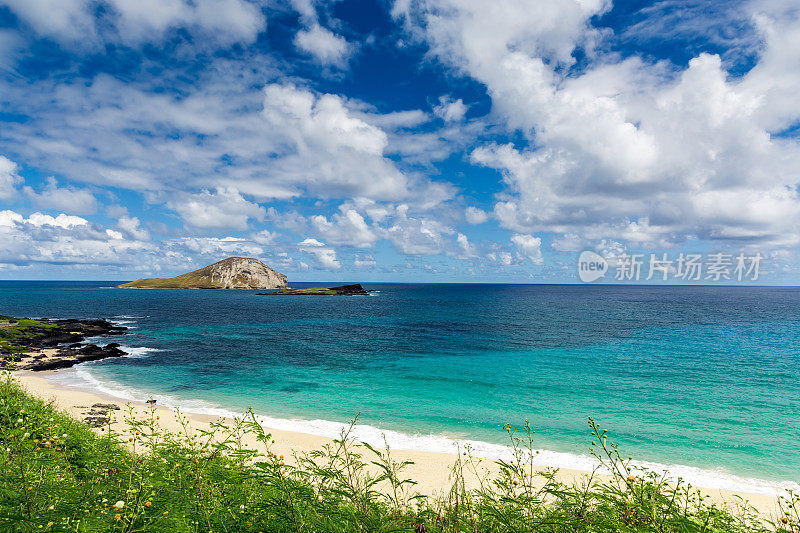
pixel 431 470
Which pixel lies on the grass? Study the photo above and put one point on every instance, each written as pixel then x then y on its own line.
pixel 58 475
pixel 306 291
pixel 24 329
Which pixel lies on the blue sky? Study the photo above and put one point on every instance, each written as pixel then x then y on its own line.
pixel 414 140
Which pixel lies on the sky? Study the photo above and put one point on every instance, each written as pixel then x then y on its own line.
pixel 413 140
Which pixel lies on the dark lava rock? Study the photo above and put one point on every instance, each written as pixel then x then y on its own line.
pixel 96 421
pixel 347 290
pixel 107 406
pixel 68 357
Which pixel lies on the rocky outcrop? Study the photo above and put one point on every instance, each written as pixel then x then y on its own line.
pixel 60 345
pixel 69 356
pixel 230 273
pixel 354 289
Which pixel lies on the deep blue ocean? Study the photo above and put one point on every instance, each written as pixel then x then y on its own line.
pixel 703 377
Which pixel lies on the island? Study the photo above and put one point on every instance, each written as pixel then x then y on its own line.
pixel 230 273
pixel 354 289
pixel 42 344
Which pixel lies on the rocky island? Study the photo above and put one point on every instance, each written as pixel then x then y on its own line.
pixel 42 344
pixel 230 273
pixel 343 290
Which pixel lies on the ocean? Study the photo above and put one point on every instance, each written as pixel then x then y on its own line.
pixel 701 381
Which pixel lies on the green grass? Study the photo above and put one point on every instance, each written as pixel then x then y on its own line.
pixel 191 280
pixel 306 291
pixel 57 475
pixel 26 328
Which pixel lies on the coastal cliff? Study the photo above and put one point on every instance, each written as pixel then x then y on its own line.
pixel 230 273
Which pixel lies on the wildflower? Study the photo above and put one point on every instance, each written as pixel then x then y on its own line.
pixel 51 507
pixel 119 505
pixel 148 504
pixel 49 524
pixel 784 520
pixel 117 517
pixel 632 478
pixel 19 421
pixel 26 435
pixel 64 436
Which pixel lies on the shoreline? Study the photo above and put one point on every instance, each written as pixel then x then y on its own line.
pixel 431 469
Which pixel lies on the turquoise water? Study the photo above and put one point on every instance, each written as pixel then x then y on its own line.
pixel 705 377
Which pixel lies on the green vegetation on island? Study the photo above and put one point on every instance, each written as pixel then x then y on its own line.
pixel 342 290
pixel 58 475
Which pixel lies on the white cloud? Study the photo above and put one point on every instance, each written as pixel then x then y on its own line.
pixel 62 220
pixel 346 227
pixel 569 242
pixel 416 235
pixel 9 178
pixel 278 143
pixel 264 237
pixel 681 154
pixel 467 249
pixel 450 110
pixel 529 246
pixel 475 215
pixel 225 208
pixel 70 199
pixel 326 47
pixel 310 242
pixel 325 256
pixel 131 227
pixel 329 149
pixel 212 248
pixel 364 261
pixel 64 239
pixel 76 22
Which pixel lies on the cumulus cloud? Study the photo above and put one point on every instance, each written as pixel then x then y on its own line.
pixel 131 227
pixel 450 110
pixel 264 237
pixel 89 23
pixel 416 235
pixel 346 227
pixel 324 255
pixel 475 215
pixel 326 47
pixel 364 261
pixel 63 239
pixel 680 153
pixel 529 246
pixel 467 250
pixel 224 208
pixel 70 199
pixel 327 147
pixel 212 248
pixel 9 178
